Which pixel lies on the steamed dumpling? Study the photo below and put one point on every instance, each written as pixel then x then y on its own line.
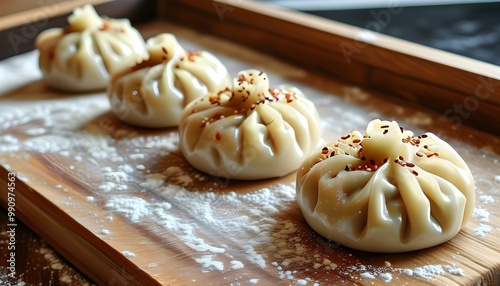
pixel 82 56
pixel 386 190
pixel 251 131
pixel 155 92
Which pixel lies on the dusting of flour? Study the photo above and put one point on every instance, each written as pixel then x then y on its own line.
pixel 256 235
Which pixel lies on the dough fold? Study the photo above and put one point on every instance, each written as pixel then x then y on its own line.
pixel 82 56
pixel 386 190
pixel 154 93
pixel 251 131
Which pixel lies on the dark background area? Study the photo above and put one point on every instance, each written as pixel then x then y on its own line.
pixel 471 30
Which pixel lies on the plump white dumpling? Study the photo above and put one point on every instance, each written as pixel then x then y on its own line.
pixel 386 190
pixel 251 131
pixel 154 93
pixel 82 56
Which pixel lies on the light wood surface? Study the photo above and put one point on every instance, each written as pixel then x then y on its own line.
pixel 53 189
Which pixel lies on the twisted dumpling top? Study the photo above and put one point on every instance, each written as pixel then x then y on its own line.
pixel 154 93
pixel 386 190
pixel 82 56
pixel 251 131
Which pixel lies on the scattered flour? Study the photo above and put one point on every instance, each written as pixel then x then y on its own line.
pixel 482 229
pixel 258 223
pixel 481 214
pixel 497 179
pixel 428 271
pixel 485 199
pixel 454 270
pixel 165 200
pixel 106 232
pixel 208 263
pixel 367 275
pixel 257 235
pixel 387 277
pixel 128 254
pixel 235 264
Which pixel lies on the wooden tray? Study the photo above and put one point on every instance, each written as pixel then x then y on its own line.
pixel 122 205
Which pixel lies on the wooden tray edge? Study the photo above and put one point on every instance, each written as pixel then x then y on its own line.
pixel 68 241
pixel 472 86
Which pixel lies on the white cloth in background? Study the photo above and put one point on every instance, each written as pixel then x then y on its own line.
pixel 19 70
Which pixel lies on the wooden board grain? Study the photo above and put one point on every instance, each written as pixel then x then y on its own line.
pixel 123 206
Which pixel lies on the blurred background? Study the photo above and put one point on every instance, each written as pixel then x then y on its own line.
pixel 468 28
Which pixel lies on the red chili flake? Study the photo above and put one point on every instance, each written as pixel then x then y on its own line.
pixel 408 164
pixel 400 158
pixel 424 136
pixel 419 154
pixel 324 150
pixel 414 172
pixel 356 140
pixel 385 160
pixel 425 146
pixel 345 137
pixel 214 100
pixel 105 26
pixel 436 154
pixel 384 126
pixel 227 89
pixel 290 97
pixel 372 162
pixel 332 154
pixel 192 55
pixel 385 131
pixel 430 155
pixel 218 136
pixel 241 78
pixel 165 51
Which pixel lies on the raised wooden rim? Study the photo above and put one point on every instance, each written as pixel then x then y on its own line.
pixel 463 90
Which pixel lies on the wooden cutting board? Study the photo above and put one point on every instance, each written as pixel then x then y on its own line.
pixel 123 206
